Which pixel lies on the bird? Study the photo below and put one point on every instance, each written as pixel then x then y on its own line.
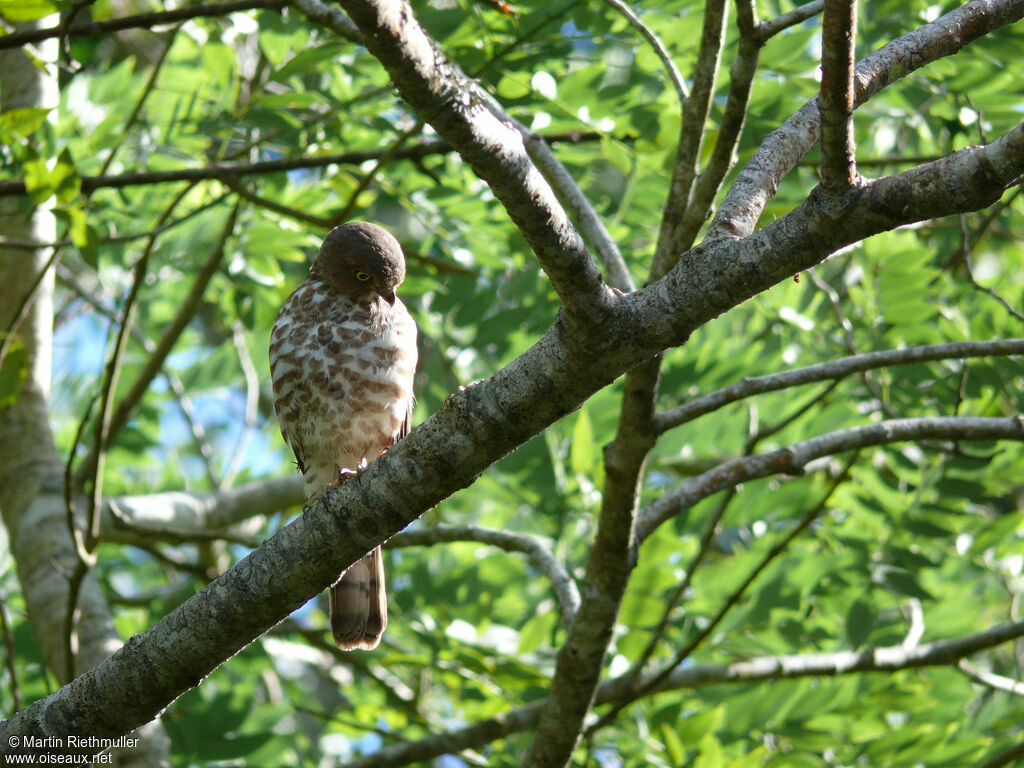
pixel 342 361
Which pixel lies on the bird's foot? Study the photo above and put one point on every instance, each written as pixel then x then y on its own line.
pixel 344 474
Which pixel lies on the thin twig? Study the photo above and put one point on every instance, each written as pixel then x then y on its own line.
pixel 7 339
pixel 140 21
pixel 758 181
pixel 682 93
pixel 249 196
pixel 85 544
pixel 684 653
pixel 710 531
pixel 793 459
pixel 871 659
pixel 834 369
pixel 167 341
pixel 252 401
pixel 990 679
pixel 202 445
pixel 730 130
pixel 368 177
pixel 564 586
pixel 691 134
pixel 772 429
pixel 969 270
pixel 768 29
pixel 1008 756
pixel 122 135
pixel 175 561
pixel 226 170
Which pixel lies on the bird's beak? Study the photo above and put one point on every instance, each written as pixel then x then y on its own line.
pixel 389 297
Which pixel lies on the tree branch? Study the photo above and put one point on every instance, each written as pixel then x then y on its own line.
pixel 792 459
pixel 990 679
pixel 142 20
pixel 483 422
pixel 230 171
pixel 674 75
pixel 723 156
pixel 169 338
pixel 454 105
pixel 835 100
pixel 1008 756
pixel 213 511
pixel 768 29
pixel 691 133
pixel 832 370
pixel 968 179
pixel 572 197
pixel 885 659
pixel 31 470
pixel 682 654
pixel 202 445
pixel 540 556
pixel 783 148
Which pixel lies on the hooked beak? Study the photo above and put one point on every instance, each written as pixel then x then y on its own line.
pixel 389 297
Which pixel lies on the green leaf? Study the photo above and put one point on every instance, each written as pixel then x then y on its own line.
pixel 536 630
pixel 673 744
pixel 21 123
pixel 710 755
pixel 900 581
pixel 513 87
pixel 37 180
pixel 998 531
pixel 583 454
pixel 309 60
pixel 859 622
pixel 64 178
pixel 26 10
pixel 82 235
pixel 696 727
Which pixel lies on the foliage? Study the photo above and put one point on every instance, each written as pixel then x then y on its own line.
pixel 916 537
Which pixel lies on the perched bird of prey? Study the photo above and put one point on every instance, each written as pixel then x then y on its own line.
pixel 342 358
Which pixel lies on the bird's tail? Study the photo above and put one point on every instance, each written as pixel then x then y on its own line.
pixel 359 605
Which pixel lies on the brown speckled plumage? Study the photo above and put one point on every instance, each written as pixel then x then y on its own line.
pixel 342 357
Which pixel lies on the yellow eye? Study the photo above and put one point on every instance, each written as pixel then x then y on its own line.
pixel 362 276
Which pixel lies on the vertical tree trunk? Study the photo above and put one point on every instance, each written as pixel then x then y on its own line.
pixel 31 469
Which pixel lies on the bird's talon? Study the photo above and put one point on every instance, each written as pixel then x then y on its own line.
pixel 344 474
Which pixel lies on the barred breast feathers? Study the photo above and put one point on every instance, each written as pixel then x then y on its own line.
pixel 342 379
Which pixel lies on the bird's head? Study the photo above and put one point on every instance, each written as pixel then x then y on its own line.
pixel 363 262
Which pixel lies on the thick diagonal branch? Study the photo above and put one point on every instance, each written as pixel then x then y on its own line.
pixel 445 97
pixel 483 422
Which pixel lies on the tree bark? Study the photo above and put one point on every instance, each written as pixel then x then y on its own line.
pixel 31 470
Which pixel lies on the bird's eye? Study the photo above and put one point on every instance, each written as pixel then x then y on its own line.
pixel 362 276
